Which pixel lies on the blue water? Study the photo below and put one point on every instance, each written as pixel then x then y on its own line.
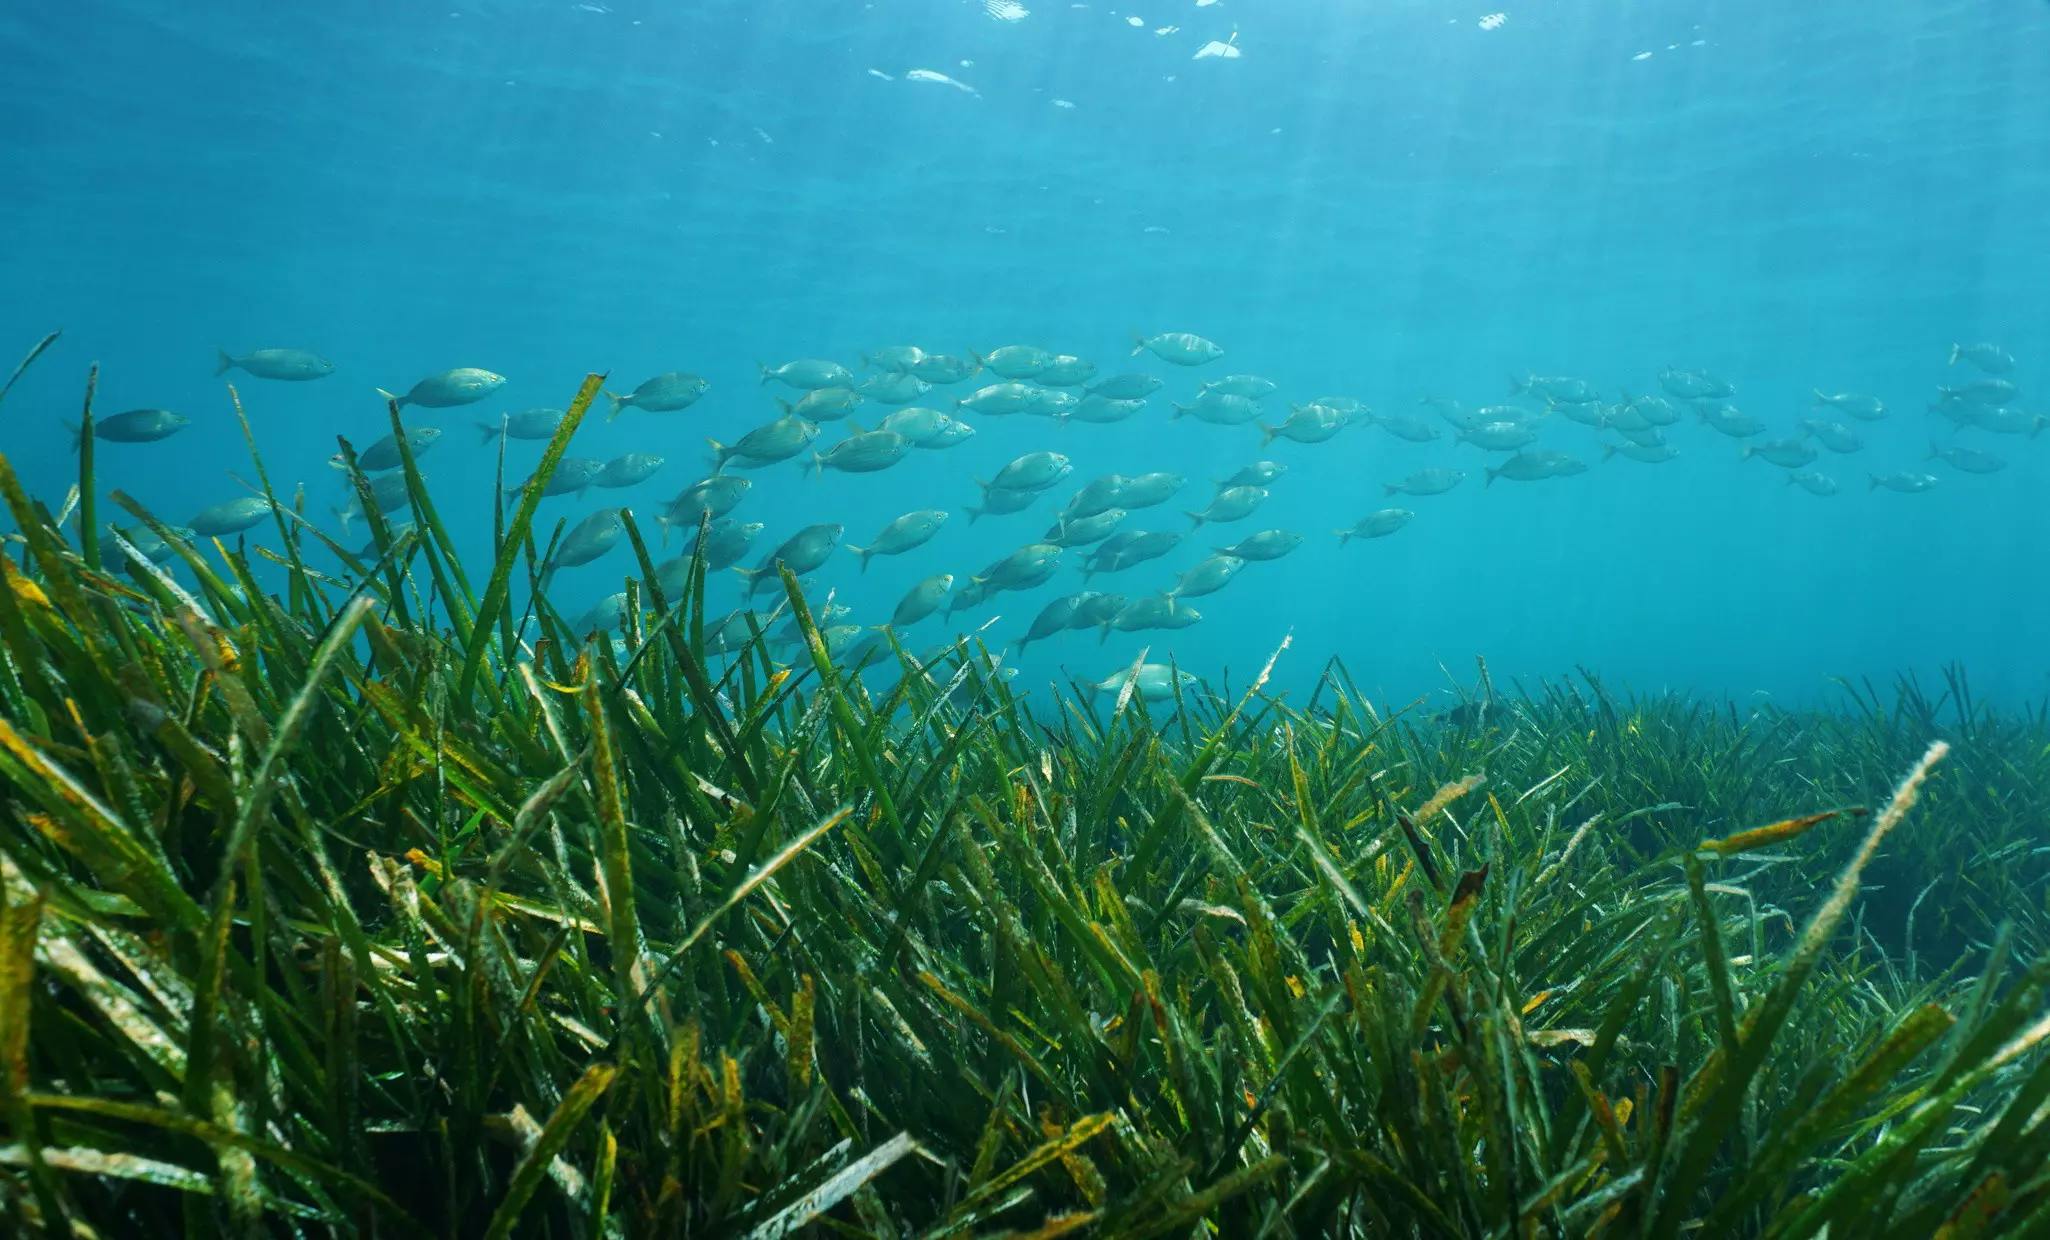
pixel 1385 200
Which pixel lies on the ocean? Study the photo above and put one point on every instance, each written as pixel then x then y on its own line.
pixel 1389 201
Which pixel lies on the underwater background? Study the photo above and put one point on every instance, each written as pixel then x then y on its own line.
pixel 1387 200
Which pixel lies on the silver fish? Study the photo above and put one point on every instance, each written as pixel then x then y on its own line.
pixel 1056 617
pixel 1180 348
pixel 1035 471
pixel 465 385
pixel 1695 385
pixel 1497 436
pixel 893 389
pixel 573 475
pixel 1650 454
pixel 1904 482
pixel 1426 482
pixel 1265 545
pixel 1250 386
pixel 942 369
pixel 1231 504
pixel 1308 424
pixel 1536 465
pixel 1219 409
pixel 1064 370
pixel 1862 407
pixel 824 405
pixel 230 518
pixel 1207 576
pixel 863 452
pixel 1729 420
pixel 384 454
pixel 665 393
pixel 906 533
pixel 1000 398
pixel 1990 358
pixel 715 496
pixel 1001 501
pixel 1970 460
pixel 808 374
pixel 766 444
pixel 1124 550
pixel 801 553
pixel 922 600
pixel 288 364
pixel 590 538
pixel 1554 388
pixel 136 426
pixel 1132 386
pixel 1097 495
pixel 1149 490
pixel 1813 482
pixel 1833 435
pixel 1155 612
pixel 1083 531
pixel 1786 453
pixel 632 469
pixel 1028 566
pixel 526 424
pixel 1154 682
pixel 1102 410
pixel 1980 392
pixel 1015 361
pixel 1377 524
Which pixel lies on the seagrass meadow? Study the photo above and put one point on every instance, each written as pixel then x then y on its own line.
pixel 375 903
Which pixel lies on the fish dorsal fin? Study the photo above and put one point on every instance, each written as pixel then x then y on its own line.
pixel 856 428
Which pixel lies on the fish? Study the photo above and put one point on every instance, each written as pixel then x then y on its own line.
pixel 951 432
pixel 1904 482
pixel 1052 403
pixel 1002 501
pixel 1102 410
pixel 801 553
pixel 1179 348
pixel 1558 389
pixel 1999 420
pixel 1258 474
pixel 1129 386
pixel 134 426
pixel 1128 548
pixel 1015 361
pixel 1097 495
pixel 1435 481
pixel 715 497
pixel 590 538
pixel 526 424
pixel 1833 435
pixel 1253 387
pixel 766 444
pixel 791 631
pixel 1970 460
pixel 1497 436
pixel 892 388
pixel 1642 436
pixel 1652 410
pixel 1405 426
pixel 899 357
pixel 906 533
pixel 1587 413
pixel 665 393
pixel 1096 610
pixel 1812 481
pixel 573 475
pixel 384 454
pixel 1990 358
pixel 294 365
pixel 1980 392
pixel 387 491
pixel 1308 424
pixel 863 452
pixel 1790 453
pixel 824 404
pixel 1649 454
pixel 1028 566
pixel 1153 682
pixel 1056 617
pixel 922 600
pixel 1065 370
pixel 808 374
pixel 732 632
pixel 1265 545
pixel 231 517
pixel 1536 465
pixel 1378 524
pixel 1694 385
pixel 1153 612
pixel 465 385
pixel 998 399
pixel 724 543
pixel 1082 531
pixel 1862 407
pixel 607 614
pixel 916 423
pixel 1149 490
pixel 1034 471
pixel 631 469
pixel 1207 576
pixel 152 545
pixel 1219 409
pixel 1729 420
pixel 1230 504
pixel 940 79
pixel 943 369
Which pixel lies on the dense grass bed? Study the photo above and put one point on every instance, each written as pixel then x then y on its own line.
pixel 388 905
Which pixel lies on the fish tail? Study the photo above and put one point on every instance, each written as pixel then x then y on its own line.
pixel 974 512
pixel 1395 488
pixel 1491 471
pixel 1875 482
pixel 347 517
pixel 862 554
pixel 1267 434
pixel 1608 450
pixel 1196 519
pixel 1744 453
pixel 393 398
pixel 77 434
pixel 223 363
pixel 619 404
pixel 1790 478
pixel 1518 387
pixel 1138 343
pixel 788 408
pixel 767 374
pixel 1820 399
pixel 1103 633
pixel 1179 410
pixel 486 432
pixel 1956 351
pixel 2037 429
pixel 818 464
pixel 1344 536
pixel 719 454
pixel 1934 451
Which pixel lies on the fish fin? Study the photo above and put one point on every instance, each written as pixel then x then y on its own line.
pixel 788 408
pixel 861 553
pixel 619 404
pixel 393 399
pixel 348 517
pixel 1395 488
pixel 974 512
pixel 224 364
pixel 1138 343
pixel 1518 387
pixel 77 434
pixel 1196 519
pixel 818 464
pixel 1790 477
pixel 487 432
pixel 719 454
pixel 1267 434
pixel 1608 450
pixel 767 374
pixel 1744 453
pixel 1491 471
pixel 1820 399
pixel 1344 536
pixel 1179 410
pixel 1875 482
pixel 1956 351
pixel 855 428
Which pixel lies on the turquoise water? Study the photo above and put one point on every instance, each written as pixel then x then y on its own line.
pixel 1384 201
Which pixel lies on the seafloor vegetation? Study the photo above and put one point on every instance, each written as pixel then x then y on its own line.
pixel 381 904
